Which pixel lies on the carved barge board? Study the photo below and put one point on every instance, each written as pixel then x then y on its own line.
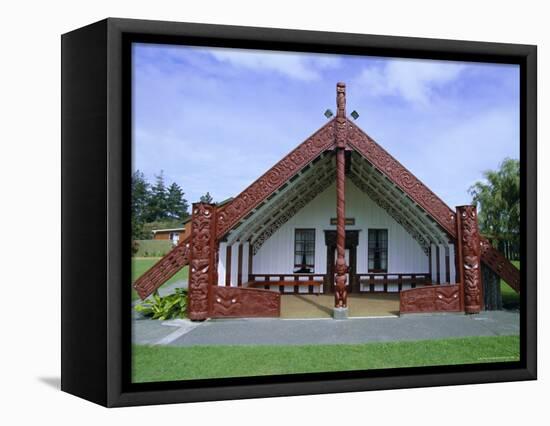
pixel 403 178
pixel 501 266
pixel 436 298
pixel 233 302
pixel 274 178
pixel 163 270
pixel 424 197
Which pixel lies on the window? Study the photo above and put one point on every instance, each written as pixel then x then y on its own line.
pixel 174 237
pixel 304 251
pixel 378 250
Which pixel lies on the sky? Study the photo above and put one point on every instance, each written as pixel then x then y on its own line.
pixel 215 119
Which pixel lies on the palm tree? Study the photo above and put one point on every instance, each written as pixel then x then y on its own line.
pixel 498 201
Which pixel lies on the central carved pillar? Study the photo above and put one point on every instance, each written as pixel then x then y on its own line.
pixel 470 256
pixel 340 294
pixel 202 260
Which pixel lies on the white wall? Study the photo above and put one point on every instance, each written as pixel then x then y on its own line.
pixel 221 263
pixel 404 253
pixel 246 247
pixel 234 264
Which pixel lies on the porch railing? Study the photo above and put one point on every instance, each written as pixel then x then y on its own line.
pixel 315 283
pixel 391 282
pixel 300 283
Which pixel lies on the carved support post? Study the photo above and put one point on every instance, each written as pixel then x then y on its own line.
pixel 470 258
pixel 202 264
pixel 340 294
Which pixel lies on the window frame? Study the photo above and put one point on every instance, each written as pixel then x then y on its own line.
pixel 377 270
pixel 307 252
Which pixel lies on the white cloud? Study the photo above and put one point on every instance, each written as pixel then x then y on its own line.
pixel 459 152
pixel 413 80
pixel 292 65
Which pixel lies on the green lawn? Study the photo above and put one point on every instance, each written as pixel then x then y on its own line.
pixel 164 363
pixel 510 299
pixel 142 264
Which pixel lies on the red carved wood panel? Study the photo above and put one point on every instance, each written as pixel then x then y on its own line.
pixel 471 258
pixel 244 302
pixel 447 298
pixel 202 270
pixel 501 266
pixel 436 298
pixel 163 270
pixel 417 300
pixel 274 178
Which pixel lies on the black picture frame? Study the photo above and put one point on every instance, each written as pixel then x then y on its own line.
pixel 96 90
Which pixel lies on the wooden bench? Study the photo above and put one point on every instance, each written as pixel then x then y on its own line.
pixel 267 284
pixel 403 279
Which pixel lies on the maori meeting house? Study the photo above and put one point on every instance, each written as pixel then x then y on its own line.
pixel 337 215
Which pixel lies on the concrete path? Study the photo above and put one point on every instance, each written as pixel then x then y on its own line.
pixel 324 331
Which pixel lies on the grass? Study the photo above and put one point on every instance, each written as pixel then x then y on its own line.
pixel 141 264
pixel 510 299
pixel 153 248
pixel 165 363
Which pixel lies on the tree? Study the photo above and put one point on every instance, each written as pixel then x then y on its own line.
pixel 176 205
pixel 140 198
pixel 156 207
pixel 498 201
pixel 207 198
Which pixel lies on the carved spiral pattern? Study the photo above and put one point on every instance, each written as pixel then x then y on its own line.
pixel 341 131
pixel 262 219
pixel 244 302
pixel 437 298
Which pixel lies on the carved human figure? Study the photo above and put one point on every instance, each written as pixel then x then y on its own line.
pixel 340 290
pixel 341 99
pixel 471 260
pixel 202 260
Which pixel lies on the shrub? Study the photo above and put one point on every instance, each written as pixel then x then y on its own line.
pixel 164 307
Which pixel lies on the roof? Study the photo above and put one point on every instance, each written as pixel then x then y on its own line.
pixel 263 207
pixel 154 231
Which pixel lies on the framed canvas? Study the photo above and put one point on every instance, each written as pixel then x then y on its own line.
pixel 254 212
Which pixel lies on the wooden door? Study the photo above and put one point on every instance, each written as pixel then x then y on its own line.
pixel 351 259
